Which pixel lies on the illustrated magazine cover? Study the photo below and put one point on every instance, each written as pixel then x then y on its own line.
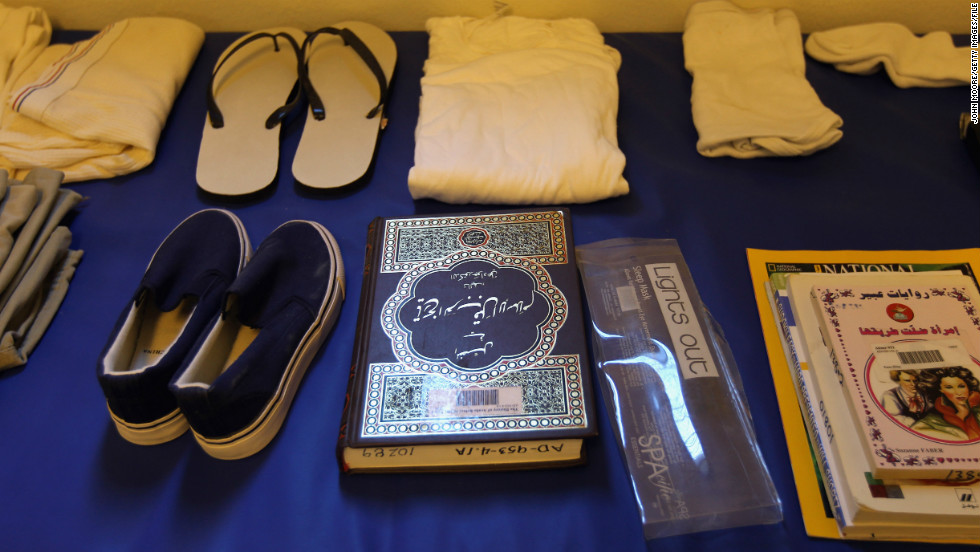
pixel 822 486
pixel 867 507
pixel 906 354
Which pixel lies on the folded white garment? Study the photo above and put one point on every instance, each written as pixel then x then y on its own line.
pixel 24 33
pixel 95 109
pixel 749 95
pixel 517 111
pixel 931 60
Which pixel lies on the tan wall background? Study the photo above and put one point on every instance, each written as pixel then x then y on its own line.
pixel 410 15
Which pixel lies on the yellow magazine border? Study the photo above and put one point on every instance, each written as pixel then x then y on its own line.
pixel 808 487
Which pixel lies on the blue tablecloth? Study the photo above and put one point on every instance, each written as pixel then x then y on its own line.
pixel 899 179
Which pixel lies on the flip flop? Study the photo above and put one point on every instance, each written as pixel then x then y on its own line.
pixel 253 87
pixel 347 71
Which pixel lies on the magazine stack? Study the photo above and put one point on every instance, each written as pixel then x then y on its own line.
pixel 877 356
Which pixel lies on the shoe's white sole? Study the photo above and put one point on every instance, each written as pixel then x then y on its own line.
pixel 157 432
pixel 174 424
pixel 260 432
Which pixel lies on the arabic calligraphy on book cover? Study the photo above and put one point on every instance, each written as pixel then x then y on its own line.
pixel 469 334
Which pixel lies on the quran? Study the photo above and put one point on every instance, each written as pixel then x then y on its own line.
pixel 470 351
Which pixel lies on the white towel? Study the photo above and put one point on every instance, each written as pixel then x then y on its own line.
pixel 517 111
pixel 910 61
pixel 95 109
pixel 24 33
pixel 749 95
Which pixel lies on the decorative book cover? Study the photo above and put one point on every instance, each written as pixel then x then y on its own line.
pixel 470 349
pixel 907 356
pixel 907 509
pixel 796 391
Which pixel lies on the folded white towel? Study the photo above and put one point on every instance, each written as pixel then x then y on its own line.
pixel 24 32
pixel 749 95
pixel 517 111
pixel 910 61
pixel 95 109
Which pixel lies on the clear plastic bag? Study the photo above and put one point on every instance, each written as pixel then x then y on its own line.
pixel 673 393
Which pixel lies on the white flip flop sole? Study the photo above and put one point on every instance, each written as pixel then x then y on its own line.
pixel 339 149
pixel 242 157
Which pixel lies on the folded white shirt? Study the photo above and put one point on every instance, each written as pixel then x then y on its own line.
pixel 749 95
pixel 517 111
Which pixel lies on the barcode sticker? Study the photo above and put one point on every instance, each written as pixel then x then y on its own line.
pixel 475 401
pixel 919 355
pixel 477 397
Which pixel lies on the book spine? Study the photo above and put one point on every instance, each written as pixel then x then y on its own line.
pixel 573 293
pixel 350 420
pixel 809 413
pixel 846 389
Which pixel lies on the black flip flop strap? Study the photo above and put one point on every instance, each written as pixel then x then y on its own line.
pixel 214 114
pixel 352 40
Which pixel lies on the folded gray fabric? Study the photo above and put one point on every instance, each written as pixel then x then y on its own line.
pixel 31 235
pixel 32 305
pixel 36 263
pixel 64 202
pixel 19 201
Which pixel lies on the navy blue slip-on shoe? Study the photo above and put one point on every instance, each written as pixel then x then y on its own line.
pixel 181 292
pixel 238 385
